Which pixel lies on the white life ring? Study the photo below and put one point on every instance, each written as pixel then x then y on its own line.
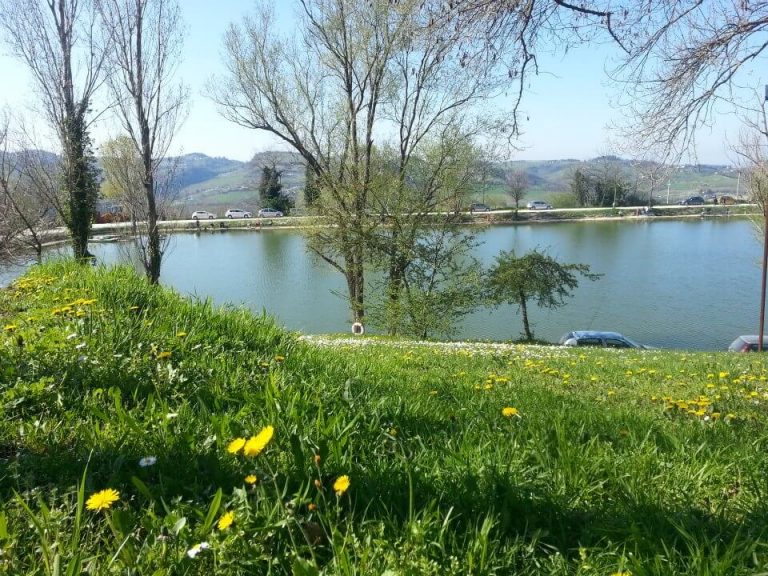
pixel 358 329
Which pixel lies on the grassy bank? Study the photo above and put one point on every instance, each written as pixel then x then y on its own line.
pixel 505 216
pixel 390 458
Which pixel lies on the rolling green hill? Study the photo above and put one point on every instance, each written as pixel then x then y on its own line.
pixel 220 183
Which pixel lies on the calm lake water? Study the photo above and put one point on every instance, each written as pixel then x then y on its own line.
pixel 677 284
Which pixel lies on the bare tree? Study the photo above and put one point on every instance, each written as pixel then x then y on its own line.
pixel 29 191
pixel 123 177
pixel 358 72
pixel 517 183
pixel 686 60
pixel 147 42
pixel 752 152
pixel 12 215
pixel 515 32
pixel 59 42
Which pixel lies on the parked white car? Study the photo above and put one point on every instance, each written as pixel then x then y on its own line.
pixel 269 213
pixel 237 213
pixel 539 205
pixel 203 215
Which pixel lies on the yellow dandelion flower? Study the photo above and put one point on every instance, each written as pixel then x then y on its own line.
pixel 226 520
pixel 341 485
pixel 611 392
pixel 102 500
pixel 509 412
pixel 256 444
pixel 10 327
pixel 279 358
pixel 251 479
pixel 163 355
pixel 180 334
pixel 312 507
pixel 236 445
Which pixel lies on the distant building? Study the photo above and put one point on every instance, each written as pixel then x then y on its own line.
pixel 108 211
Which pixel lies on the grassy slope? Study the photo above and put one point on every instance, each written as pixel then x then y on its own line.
pixel 651 462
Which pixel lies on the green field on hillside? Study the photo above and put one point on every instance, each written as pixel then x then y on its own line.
pixel 144 433
pixel 213 183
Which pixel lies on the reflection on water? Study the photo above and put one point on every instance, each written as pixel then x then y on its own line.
pixel 681 284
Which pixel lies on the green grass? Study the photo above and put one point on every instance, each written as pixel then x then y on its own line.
pixel 650 462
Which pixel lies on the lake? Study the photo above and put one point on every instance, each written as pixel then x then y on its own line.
pixel 691 284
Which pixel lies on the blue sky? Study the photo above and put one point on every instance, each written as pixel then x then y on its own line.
pixel 568 105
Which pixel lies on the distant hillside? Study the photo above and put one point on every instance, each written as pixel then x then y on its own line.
pixel 556 175
pixel 218 183
pixel 547 179
pixel 234 183
pixel 196 168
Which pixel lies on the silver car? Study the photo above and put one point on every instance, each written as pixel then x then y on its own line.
pixel 237 213
pixel 203 215
pixel 539 205
pixel 269 213
pixel 748 343
pixel 598 338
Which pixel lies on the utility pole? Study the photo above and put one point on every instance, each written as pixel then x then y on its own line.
pixel 650 194
pixel 765 262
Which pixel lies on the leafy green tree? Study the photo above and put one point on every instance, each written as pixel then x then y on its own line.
pixel 333 89
pixel 535 276
pixel 603 186
pixel 440 284
pixel 270 190
pixel 311 187
pixel 580 187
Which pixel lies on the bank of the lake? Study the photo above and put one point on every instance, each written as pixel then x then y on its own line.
pixel 123 406
pixel 673 283
pixel 691 284
pixel 504 216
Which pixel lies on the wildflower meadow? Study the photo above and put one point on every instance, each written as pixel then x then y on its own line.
pixel 146 433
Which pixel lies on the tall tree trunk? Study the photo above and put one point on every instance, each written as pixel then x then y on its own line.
pixel 79 184
pixel 524 311
pixel 355 280
pixel 394 286
pixel 154 252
